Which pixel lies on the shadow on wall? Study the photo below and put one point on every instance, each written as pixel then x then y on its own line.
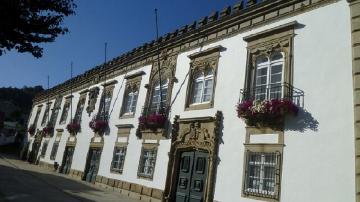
pixel 302 122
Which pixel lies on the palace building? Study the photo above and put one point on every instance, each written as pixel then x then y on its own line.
pixel 257 102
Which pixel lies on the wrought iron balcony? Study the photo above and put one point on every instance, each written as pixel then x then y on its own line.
pixel 283 91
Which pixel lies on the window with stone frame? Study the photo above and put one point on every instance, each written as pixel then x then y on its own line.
pixel 105 102
pixel 159 96
pixel 46 115
pixel 147 161
pixel 37 115
pixel 202 79
pixel 55 111
pixel 262 163
pixel 65 111
pixel 131 95
pixel 118 160
pixel 160 86
pixel 43 149
pixel 269 68
pixel 80 108
pixel 54 150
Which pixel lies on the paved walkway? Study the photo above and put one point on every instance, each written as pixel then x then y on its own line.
pixel 21 181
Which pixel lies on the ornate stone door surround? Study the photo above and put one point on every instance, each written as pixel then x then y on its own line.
pixel 200 133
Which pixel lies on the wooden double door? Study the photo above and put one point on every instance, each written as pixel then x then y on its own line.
pixel 67 159
pixel 92 165
pixel 191 176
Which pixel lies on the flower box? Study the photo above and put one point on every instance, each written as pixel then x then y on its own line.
pixel 31 129
pixel 48 130
pixel 152 121
pixel 267 113
pixel 73 128
pixel 98 126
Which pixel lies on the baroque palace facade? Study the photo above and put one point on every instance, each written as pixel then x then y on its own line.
pixel 257 102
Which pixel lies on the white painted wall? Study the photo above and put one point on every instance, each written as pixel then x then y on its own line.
pixel 317 165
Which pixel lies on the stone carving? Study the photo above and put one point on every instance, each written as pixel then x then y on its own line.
pixel 93 94
pixel 194 134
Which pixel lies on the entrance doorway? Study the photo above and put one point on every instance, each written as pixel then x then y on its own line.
pixel 67 160
pixel 92 165
pixel 192 175
pixel 33 156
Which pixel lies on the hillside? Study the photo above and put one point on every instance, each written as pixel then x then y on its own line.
pixel 16 103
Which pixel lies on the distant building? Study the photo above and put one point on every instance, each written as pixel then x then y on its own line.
pixel 253 103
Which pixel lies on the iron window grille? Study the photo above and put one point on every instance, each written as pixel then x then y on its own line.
pixel 273 91
pixel 262 174
pixel 147 163
pixel 43 149
pixel 54 151
pixel 118 161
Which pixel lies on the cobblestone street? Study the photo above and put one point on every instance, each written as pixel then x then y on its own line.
pixel 21 181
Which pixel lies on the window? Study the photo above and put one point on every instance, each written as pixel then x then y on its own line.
pixel 117 164
pixel 54 150
pixel 261 175
pixel 202 87
pixel 43 149
pixel 105 105
pixel 56 109
pixel 79 109
pixel 147 162
pixel 269 76
pixel 46 115
pixel 159 102
pixel 262 163
pixel 269 67
pixel 130 100
pixel 37 115
pixel 202 79
pixel 65 112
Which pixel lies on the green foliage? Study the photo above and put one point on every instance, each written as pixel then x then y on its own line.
pixel 27 23
pixel 21 98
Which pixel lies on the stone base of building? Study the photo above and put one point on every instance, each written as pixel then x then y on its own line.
pixel 132 190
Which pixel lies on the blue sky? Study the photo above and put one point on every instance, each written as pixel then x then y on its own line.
pixel 123 24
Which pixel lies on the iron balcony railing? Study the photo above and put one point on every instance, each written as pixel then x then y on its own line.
pixel 273 91
pixel 156 109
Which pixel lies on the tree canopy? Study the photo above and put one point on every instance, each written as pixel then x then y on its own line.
pixel 24 24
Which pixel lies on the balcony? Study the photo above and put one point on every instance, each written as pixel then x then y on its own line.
pixel 269 105
pixel 280 91
pixel 153 122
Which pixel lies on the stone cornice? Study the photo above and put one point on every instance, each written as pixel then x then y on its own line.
pixel 207 30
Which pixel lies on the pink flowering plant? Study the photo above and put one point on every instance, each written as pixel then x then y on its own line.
pixel 73 128
pixel 152 121
pixel 48 130
pixel 98 126
pixel 266 112
pixel 31 129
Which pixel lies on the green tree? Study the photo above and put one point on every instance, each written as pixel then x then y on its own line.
pixel 24 24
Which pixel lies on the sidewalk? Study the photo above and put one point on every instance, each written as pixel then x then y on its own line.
pixel 21 181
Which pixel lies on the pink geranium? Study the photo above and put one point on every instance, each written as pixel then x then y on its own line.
pixel 73 128
pixel 98 126
pixel 268 112
pixel 31 129
pixel 152 121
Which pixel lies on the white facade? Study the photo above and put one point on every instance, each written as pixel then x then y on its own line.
pixel 317 165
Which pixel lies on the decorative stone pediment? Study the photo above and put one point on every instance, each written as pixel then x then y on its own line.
pixel 167 66
pixel 198 134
